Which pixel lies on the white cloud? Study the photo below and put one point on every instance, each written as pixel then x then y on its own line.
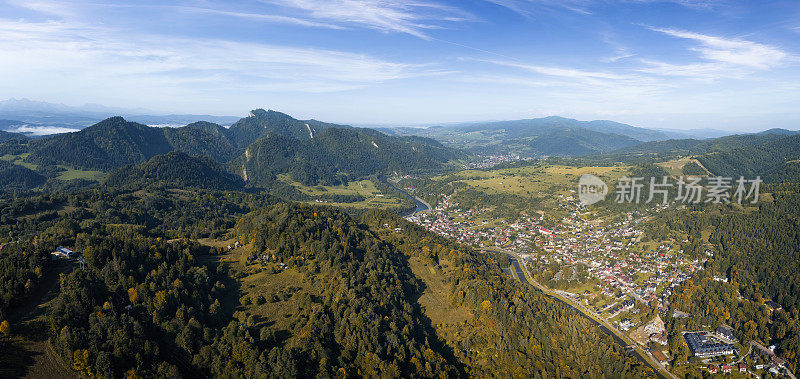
pixel 55 8
pixel 413 18
pixel 737 52
pixel 529 7
pixel 720 57
pixel 38 130
pixel 62 56
pixel 585 76
pixel 259 17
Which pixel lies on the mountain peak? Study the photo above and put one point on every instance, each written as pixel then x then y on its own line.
pixel 260 112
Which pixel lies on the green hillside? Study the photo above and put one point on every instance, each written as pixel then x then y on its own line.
pixel 178 170
pixel 338 155
pixel 261 123
pixel 775 160
pixel 17 177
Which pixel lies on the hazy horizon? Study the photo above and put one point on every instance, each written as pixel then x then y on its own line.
pixel 650 63
pixel 121 111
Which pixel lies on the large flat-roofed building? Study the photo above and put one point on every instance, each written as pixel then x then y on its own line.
pixel 702 347
pixel 63 252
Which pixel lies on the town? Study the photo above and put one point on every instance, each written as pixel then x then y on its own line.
pixel 608 266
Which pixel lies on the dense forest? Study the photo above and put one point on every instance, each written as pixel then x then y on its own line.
pixel 777 160
pixel 338 155
pixel 757 252
pixel 15 177
pixel 151 301
pixel 257 148
pixel 6 136
pixel 175 170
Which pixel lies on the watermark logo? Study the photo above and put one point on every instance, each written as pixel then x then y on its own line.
pixel 690 190
pixel 591 189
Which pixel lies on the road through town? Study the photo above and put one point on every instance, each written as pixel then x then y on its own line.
pixel 643 355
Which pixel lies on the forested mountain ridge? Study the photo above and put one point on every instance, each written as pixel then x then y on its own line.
pixel 15 177
pixel 310 151
pixel 115 142
pixel 776 160
pixel 549 136
pixel 5 136
pixel 260 123
pixel 676 148
pixel 539 126
pixel 175 170
pixel 337 155
pixel 109 144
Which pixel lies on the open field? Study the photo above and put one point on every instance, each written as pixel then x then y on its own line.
pixel 69 174
pixel 675 166
pixel 272 295
pixel 373 197
pixel 18 160
pixel 436 298
pixel 533 180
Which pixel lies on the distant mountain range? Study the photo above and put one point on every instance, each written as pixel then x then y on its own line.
pixel 41 118
pixel 258 148
pixel 267 146
pixel 549 136
pixel 565 137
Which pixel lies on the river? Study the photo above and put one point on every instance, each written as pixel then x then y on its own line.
pixel 421 205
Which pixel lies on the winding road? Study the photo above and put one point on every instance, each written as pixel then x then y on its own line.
pixel 524 276
pixel 643 355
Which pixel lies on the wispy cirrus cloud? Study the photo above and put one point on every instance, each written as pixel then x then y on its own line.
pixel 720 57
pixel 571 73
pixel 255 16
pixel 75 56
pixel 732 51
pixel 413 18
pixel 530 7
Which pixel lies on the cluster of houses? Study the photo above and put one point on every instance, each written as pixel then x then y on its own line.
pixel 775 365
pixel 727 368
pixel 494 160
pixel 449 220
pixel 604 247
pixel 606 251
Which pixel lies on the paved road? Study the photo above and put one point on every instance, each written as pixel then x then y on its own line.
pixel 520 274
pixel 622 339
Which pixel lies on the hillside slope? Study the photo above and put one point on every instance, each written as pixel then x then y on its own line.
pixel 338 155
pixel 15 177
pixel 775 160
pixel 359 295
pixel 178 170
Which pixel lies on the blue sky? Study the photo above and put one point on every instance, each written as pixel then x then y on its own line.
pixel 672 64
